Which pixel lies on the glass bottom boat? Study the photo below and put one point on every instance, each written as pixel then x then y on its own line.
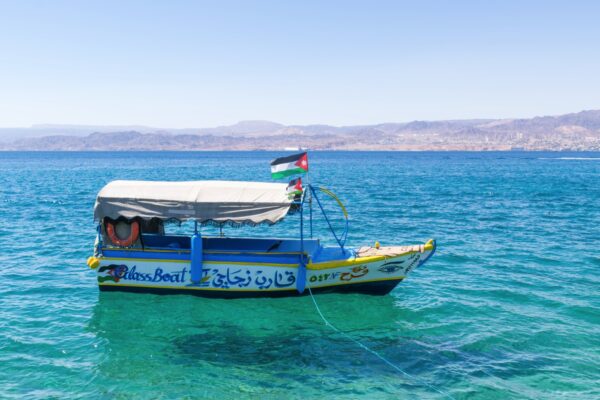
pixel 133 253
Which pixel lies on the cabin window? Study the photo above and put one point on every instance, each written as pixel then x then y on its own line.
pixel 153 226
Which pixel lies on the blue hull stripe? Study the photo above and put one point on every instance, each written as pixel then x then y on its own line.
pixel 206 257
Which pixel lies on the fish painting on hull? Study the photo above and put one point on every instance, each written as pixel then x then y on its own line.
pixel 114 273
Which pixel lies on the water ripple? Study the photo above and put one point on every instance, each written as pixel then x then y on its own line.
pixel 508 307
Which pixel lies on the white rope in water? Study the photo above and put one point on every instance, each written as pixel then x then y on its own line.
pixel 376 354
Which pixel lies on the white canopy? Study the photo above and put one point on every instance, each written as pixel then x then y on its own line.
pixel 217 202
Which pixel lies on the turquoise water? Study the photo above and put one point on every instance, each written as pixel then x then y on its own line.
pixel 508 307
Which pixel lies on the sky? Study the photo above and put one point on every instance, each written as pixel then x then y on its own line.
pixel 191 64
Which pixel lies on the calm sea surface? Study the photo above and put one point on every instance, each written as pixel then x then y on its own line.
pixel 509 306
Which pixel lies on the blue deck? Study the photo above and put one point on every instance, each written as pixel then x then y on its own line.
pixel 263 250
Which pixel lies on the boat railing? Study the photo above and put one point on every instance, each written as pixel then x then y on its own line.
pixel 341 239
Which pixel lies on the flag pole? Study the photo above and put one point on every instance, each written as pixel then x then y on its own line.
pixel 301 278
pixel 310 207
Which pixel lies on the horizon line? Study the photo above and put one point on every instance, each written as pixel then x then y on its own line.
pixel 134 125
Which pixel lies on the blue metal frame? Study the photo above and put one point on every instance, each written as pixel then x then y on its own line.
pixel 340 240
pixel 195 254
pixel 301 280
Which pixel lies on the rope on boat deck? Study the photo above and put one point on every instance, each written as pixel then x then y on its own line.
pixel 376 354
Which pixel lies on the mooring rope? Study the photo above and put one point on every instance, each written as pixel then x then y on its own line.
pixel 503 383
pixel 397 368
pixel 376 354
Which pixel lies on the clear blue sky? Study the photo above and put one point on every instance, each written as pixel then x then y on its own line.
pixel 197 64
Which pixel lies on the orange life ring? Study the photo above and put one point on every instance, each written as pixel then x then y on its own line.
pixel 134 233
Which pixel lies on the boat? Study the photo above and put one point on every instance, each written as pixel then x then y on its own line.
pixel 133 252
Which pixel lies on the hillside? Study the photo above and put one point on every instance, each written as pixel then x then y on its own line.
pixel 577 131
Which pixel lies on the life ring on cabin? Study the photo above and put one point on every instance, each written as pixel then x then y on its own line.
pixel 134 233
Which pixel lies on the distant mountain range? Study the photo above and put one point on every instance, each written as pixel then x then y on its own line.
pixel 577 131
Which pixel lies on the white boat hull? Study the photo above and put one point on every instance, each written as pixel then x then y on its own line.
pixel 373 271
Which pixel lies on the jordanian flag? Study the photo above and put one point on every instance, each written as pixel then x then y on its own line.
pixel 290 165
pixel 294 188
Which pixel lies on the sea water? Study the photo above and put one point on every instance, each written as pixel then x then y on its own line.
pixel 508 307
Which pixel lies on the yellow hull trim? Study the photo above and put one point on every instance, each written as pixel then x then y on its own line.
pixel 311 266
pixel 355 261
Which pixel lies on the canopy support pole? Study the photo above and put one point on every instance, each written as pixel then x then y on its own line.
pixel 310 207
pixel 98 242
pixel 301 279
pixel 196 255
